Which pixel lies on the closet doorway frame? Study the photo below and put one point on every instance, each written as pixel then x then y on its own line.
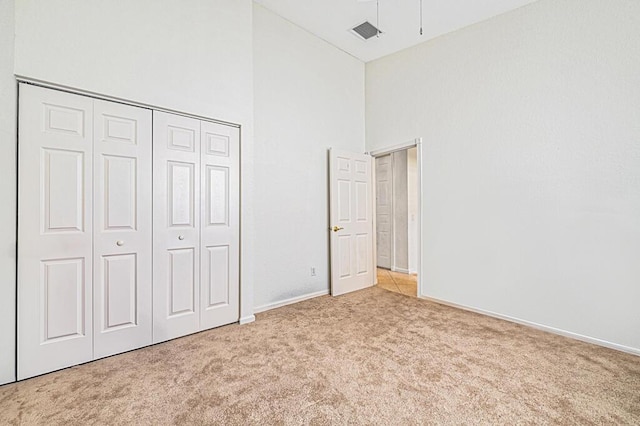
pixel 414 143
pixel 245 289
pixel 100 96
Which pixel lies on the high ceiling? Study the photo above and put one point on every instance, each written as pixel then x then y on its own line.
pixel 399 20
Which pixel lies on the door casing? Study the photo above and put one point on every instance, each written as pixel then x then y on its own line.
pixel 417 143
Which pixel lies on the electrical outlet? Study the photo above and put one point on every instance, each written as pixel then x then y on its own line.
pixel 313 271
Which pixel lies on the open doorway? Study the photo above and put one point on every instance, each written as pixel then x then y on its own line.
pixel 397 218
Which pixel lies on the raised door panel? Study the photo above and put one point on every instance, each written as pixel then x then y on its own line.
pixel 62 186
pixel 54 231
pixel 344 200
pixel 344 254
pixel 218 264
pixel 63 285
pixel 176 226
pixel 217 193
pixel 182 283
pixel 181 197
pixel 220 225
pixel 122 228
pixel 120 194
pixel 120 281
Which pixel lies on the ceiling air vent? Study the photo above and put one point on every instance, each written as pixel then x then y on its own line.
pixel 366 30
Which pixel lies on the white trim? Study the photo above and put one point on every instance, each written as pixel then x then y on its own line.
pixel 394 148
pixel 95 95
pixel 247 319
pixel 421 287
pixel 558 331
pixel 374 215
pixel 389 150
pixel 289 301
pixel 400 270
pixel 392 167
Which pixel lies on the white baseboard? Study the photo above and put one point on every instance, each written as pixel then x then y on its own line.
pixel 6 380
pixel 401 270
pixel 290 301
pixel 558 331
pixel 247 319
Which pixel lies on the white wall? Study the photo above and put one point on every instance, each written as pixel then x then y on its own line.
pixel 531 162
pixel 309 96
pixel 194 56
pixel 7 194
pixel 412 202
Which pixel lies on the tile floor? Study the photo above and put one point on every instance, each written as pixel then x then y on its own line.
pixel 398 282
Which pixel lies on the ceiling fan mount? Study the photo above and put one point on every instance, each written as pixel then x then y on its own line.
pixel 378 13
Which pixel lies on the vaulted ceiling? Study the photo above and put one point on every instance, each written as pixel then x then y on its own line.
pixel 399 20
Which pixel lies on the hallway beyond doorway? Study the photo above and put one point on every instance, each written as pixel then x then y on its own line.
pixel 397 282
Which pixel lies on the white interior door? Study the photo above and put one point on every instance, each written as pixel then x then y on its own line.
pixel 384 209
pixel 176 225
pixel 55 230
pixel 122 228
pixel 220 225
pixel 352 262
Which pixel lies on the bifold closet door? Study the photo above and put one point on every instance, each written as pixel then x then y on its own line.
pixel 196 225
pixel 122 228
pixel 220 225
pixel 176 222
pixel 54 231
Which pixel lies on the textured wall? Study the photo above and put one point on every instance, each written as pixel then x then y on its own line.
pixel 193 56
pixel 8 182
pixel 309 96
pixel 531 162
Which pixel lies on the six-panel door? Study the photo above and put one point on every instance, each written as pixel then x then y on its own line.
pixel 54 231
pixel 350 212
pixel 176 218
pixel 220 227
pixel 122 228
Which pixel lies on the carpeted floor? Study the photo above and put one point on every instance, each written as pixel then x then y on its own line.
pixel 370 357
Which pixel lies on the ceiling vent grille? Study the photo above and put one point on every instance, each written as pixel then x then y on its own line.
pixel 366 30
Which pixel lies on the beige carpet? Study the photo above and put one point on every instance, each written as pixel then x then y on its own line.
pixel 372 357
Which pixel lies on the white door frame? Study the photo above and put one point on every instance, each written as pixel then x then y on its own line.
pixel 246 310
pixel 417 143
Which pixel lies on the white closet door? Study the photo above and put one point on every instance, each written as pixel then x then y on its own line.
pixel 176 223
pixel 122 228
pixel 220 225
pixel 55 231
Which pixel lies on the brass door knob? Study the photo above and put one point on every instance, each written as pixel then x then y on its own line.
pixel 337 228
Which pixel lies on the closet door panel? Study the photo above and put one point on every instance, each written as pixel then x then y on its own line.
pixel 220 225
pixel 122 228
pixel 176 222
pixel 54 231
